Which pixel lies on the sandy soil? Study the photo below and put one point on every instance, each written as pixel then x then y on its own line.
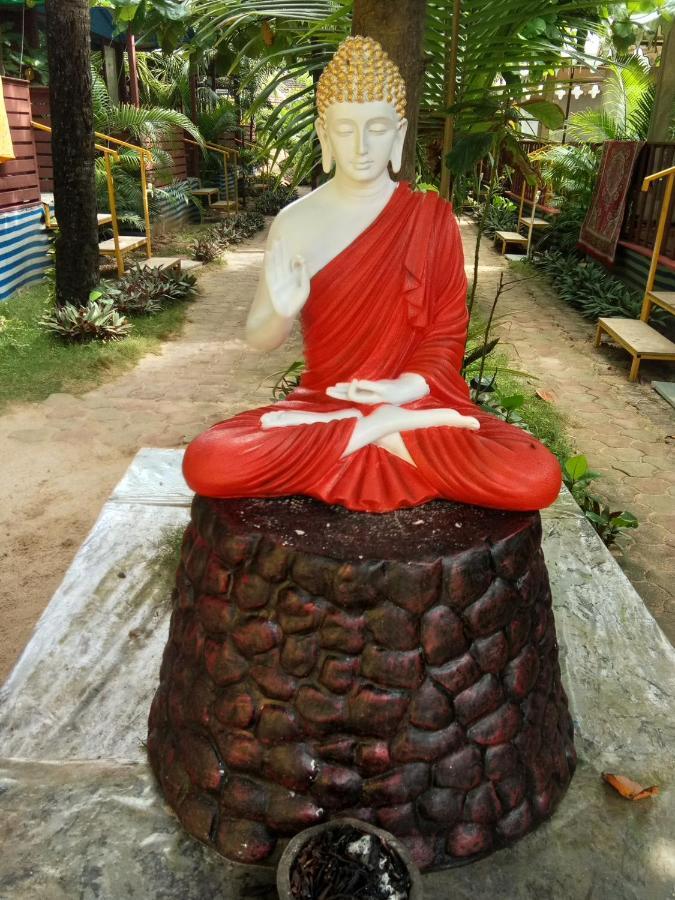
pixel 62 457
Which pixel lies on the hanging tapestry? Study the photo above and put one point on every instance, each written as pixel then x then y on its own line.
pixel 602 226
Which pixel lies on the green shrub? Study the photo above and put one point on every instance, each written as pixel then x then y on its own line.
pixel 609 525
pixel 500 215
pixel 99 320
pixel 271 201
pixel 587 286
pixel 233 230
pixel 144 291
pixel 208 247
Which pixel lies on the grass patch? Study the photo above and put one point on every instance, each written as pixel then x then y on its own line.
pixel 35 364
pixel 546 422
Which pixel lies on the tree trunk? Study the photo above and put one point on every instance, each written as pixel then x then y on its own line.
pixel 68 48
pixel 399 27
pixel 664 99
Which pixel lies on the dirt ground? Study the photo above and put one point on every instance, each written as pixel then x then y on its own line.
pixel 62 457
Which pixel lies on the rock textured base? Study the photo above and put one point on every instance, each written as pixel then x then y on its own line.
pixel 400 669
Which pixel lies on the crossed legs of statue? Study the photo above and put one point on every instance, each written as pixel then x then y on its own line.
pixel 383 427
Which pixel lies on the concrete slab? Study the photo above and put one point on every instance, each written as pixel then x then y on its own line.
pixel 189 265
pixel 665 389
pixel 161 262
pixel 79 812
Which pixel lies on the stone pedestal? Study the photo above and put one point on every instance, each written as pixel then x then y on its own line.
pixel 401 669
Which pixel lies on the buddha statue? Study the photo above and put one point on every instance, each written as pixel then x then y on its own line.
pixel 382 418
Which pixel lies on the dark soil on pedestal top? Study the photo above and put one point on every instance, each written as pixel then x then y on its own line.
pixel 343 863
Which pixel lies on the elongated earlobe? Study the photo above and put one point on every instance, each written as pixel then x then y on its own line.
pixel 326 153
pixel 397 148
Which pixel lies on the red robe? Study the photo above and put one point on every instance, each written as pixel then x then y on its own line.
pixel 393 301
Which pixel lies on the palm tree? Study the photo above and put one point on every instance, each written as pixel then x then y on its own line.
pixel 146 126
pixel 628 99
pixel 504 49
pixel 68 41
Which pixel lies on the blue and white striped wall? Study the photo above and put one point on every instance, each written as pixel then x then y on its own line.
pixel 23 249
pixel 230 182
pixel 169 212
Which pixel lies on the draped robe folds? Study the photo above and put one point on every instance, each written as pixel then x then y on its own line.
pixel 393 301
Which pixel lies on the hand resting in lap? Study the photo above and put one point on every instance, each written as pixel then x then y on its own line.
pixel 384 425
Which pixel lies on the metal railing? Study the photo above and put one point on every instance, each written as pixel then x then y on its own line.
pixel 663 223
pixel 225 151
pixel 110 155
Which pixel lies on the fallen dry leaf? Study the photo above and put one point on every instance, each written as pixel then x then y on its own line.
pixel 629 789
pixel 548 396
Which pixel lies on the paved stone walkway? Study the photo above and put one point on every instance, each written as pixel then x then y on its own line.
pixel 626 430
pixel 61 458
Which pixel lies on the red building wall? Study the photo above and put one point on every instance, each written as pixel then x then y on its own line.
pixel 19 178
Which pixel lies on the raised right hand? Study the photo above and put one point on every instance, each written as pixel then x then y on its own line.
pixel 287 280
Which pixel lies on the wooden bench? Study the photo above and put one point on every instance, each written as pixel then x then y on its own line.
pixel 638 338
pixel 531 222
pixel 510 237
pixel 206 192
pixel 225 206
pixel 636 335
pixel 663 299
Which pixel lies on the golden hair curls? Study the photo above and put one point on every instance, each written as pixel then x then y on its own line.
pixel 360 72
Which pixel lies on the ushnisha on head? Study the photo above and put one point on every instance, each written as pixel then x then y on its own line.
pixel 361 100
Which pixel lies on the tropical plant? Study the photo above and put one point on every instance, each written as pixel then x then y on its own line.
pixel 287 380
pixel 505 50
pixel 211 244
pixel 17 60
pixel 628 98
pixel 274 199
pixel 98 320
pixel 609 525
pixel 587 287
pixel 208 246
pixel 167 20
pixel 571 171
pixel 144 291
pixel 500 215
pixel 147 126
pixel 145 123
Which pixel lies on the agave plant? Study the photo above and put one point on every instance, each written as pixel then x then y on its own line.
pixel 98 320
pixel 144 291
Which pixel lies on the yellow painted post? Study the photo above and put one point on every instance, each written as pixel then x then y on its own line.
pixel 227 183
pixel 660 231
pixel 113 212
pixel 522 204
pixel 146 205
pixel 236 180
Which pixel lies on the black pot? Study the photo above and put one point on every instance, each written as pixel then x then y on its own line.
pixel 296 844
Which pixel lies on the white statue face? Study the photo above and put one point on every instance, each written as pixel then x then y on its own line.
pixel 362 138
